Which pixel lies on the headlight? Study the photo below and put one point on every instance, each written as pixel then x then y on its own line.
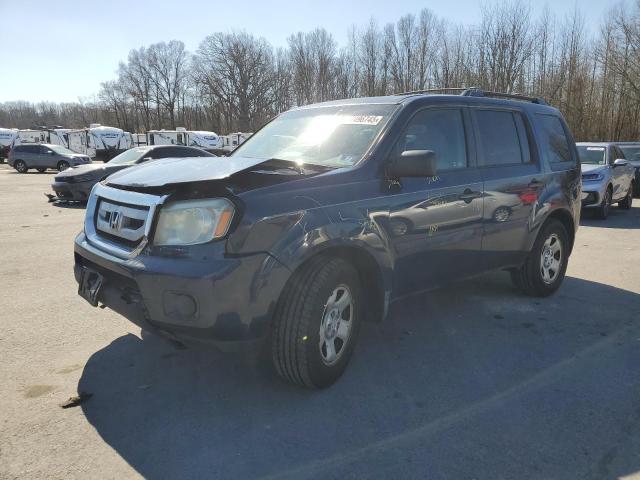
pixel 193 222
pixel 592 177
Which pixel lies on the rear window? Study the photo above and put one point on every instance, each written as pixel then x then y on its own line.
pixel 502 138
pixel 27 148
pixel 555 144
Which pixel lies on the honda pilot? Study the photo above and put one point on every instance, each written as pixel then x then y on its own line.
pixel 329 214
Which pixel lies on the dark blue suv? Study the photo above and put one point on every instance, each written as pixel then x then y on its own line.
pixel 330 213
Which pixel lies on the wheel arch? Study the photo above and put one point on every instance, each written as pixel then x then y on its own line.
pixel 375 278
pixel 564 217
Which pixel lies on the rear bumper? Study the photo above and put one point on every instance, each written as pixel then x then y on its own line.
pixel 72 191
pixel 202 299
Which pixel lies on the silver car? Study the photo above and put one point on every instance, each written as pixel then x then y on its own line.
pixel 42 156
pixel 607 177
pixel 631 152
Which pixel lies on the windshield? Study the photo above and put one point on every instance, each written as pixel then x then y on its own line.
pixel 130 156
pixel 332 136
pixel 631 153
pixel 592 155
pixel 61 150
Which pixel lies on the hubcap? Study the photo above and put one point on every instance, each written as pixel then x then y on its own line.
pixel 335 329
pixel 551 259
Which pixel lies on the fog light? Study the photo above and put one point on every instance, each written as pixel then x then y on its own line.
pixel 179 305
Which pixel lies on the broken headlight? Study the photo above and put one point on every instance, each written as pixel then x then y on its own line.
pixel 193 222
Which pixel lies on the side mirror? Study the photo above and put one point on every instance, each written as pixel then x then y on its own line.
pixel 620 162
pixel 145 159
pixel 414 163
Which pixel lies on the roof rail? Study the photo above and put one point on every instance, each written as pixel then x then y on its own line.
pixel 477 92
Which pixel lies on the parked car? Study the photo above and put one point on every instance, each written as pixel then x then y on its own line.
pixel 631 152
pixel 607 177
pixel 292 238
pixel 42 156
pixel 76 183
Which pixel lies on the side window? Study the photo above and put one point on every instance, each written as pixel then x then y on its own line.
pixel 503 138
pixel 554 139
pixel 441 131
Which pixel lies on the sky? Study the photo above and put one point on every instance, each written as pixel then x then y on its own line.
pixel 61 51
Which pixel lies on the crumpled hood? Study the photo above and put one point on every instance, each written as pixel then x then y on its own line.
pixel 182 170
pixel 586 167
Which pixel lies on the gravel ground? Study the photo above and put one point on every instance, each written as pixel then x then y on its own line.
pixel 470 382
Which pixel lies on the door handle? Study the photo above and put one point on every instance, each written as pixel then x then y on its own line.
pixel 536 183
pixel 469 195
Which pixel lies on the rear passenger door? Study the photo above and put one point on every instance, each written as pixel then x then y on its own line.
pixel 32 156
pixel 513 181
pixel 435 224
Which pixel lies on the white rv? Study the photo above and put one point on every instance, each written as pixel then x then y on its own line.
pixel 139 139
pixel 181 136
pixel 32 136
pixel 230 142
pixel 8 138
pixel 99 141
pixel 58 136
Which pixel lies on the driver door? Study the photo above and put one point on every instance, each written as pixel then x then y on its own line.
pixel 435 224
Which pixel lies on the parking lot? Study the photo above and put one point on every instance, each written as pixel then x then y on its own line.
pixel 472 381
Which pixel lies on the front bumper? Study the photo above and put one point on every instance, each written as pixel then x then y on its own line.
pixel 593 193
pixel 72 191
pixel 205 299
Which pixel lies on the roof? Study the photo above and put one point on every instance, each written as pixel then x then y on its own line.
pixel 469 96
pixel 596 144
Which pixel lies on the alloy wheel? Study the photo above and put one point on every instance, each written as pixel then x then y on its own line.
pixel 335 328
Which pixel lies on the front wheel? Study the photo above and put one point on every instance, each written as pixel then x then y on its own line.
pixel 546 264
pixel 602 212
pixel 317 322
pixel 627 202
pixel 62 165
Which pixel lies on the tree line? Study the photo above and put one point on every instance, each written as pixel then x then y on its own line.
pixel 236 81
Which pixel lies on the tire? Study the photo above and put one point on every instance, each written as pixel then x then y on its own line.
pixel 41 170
pixel 20 166
pixel 627 202
pixel 602 212
pixel 305 324
pixel 62 165
pixel 530 277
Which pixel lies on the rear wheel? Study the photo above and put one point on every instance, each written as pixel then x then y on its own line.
pixel 20 166
pixel 41 170
pixel 63 165
pixel 627 202
pixel 546 264
pixel 317 322
pixel 602 212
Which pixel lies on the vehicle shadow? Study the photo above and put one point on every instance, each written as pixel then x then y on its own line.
pixel 473 381
pixel 618 218
pixel 68 204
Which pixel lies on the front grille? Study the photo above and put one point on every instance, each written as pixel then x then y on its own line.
pixel 119 221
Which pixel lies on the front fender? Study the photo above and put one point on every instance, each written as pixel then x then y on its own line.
pixel 295 237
